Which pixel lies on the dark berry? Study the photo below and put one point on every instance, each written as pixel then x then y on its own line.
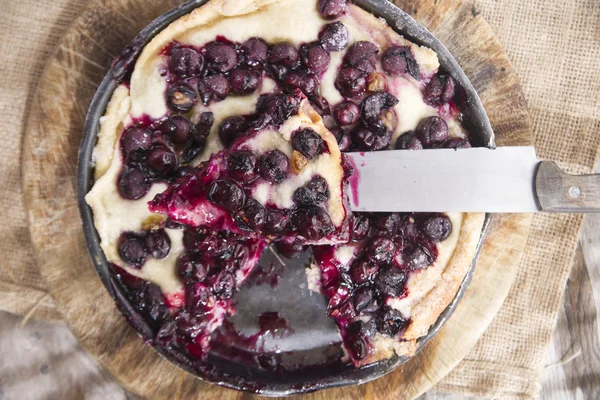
pixel 200 132
pixel 362 51
pixel 334 37
pixel 283 53
pixel 420 257
pixel 197 297
pixel 350 82
pixel 399 60
pixel 185 62
pixel 190 267
pixel 214 87
pixel 132 183
pixel 376 113
pixel 315 57
pixel 226 194
pixel 224 285
pixel 252 217
pixel 278 107
pixel 314 223
pixel 308 142
pixel 132 249
pixel 331 9
pixel 162 160
pixel 390 223
pixel 158 244
pixel 242 166
pixel 221 57
pixel 290 250
pixel 408 141
pixel 277 72
pixel 437 228
pixel 232 128
pixel 321 105
pixel 364 139
pixel 362 271
pixel 244 81
pixel 380 250
pixel 365 329
pixel 440 90
pixel 136 139
pixel 255 50
pixel 181 97
pixel 307 82
pixel 390 322
pixel 359 227
pixel 344 143
pixel 365 301
pixel 277 222
pixel 274 166
pixel 358 347
pixel 457 143
pixel 346 113
pixel 365 66
pixel 390 281
pixel 315 192
pixel 432 130
pixel 177 127
pixel 192 238
pixel 239 257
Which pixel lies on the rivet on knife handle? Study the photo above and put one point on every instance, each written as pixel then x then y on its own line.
pixel 558 191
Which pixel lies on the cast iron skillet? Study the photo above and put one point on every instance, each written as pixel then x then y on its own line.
pixel 305 356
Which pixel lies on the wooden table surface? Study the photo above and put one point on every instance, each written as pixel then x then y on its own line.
pixel 41 360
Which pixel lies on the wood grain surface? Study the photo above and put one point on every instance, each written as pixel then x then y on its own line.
pixel 49 161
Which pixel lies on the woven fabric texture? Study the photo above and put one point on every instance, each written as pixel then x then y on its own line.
pixel 554 46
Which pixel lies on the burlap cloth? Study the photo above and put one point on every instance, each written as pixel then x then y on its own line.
pixel 554 46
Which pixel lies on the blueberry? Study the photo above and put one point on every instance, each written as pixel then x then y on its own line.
pixel 365 301
pixel 321 105
pixel 162 160
pixel 334 37
pixel 399 60
pixel 231 129
pixel 457 143
pixel 364 139
pixel 380 250
pixel 408 141
pixel 132 249
pixel 242 166
pixel 346 113
pixel 185 62
pixel 278 107
pixel 181 97
pixel 290 250
pixel 358 347
pixel 432 130
pixel 331 9
pixel 221 57
pixel 362 51
pixel 307 82
pixel 283 53
pixel 252 217
pixel 177 127
pixel 420 257
pixel 315 57
pixel 314 223
pixel 440 90
pixel 191 267
pixel 365 66
pixel 350 82
pixel 390 322
pixel 224 286
pixel 359 226
pixel 362 328
pixel 244 81
pixel 390 281
pixel 192 238
pixel 315 192
pixel 197 297
pixel 376 113
pixel 278 222
pixel 274 166
pixel 158 244
pixel 136 139
pixel 438 228
pixel 255 50
pixel 307 142
pixel 363 271
pixel 390 223
pixel 132 183
pixel 200 132
pixel 227 194
pixel 213 88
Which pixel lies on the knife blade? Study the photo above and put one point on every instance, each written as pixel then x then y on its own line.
pixel 506 179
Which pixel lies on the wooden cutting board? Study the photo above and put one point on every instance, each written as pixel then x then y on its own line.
pixel 55 128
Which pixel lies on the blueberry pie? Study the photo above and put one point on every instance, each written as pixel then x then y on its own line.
pixel 227 136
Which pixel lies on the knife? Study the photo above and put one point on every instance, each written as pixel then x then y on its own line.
pixel 506 179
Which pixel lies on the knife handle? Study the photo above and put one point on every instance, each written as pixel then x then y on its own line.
pixel 558 191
